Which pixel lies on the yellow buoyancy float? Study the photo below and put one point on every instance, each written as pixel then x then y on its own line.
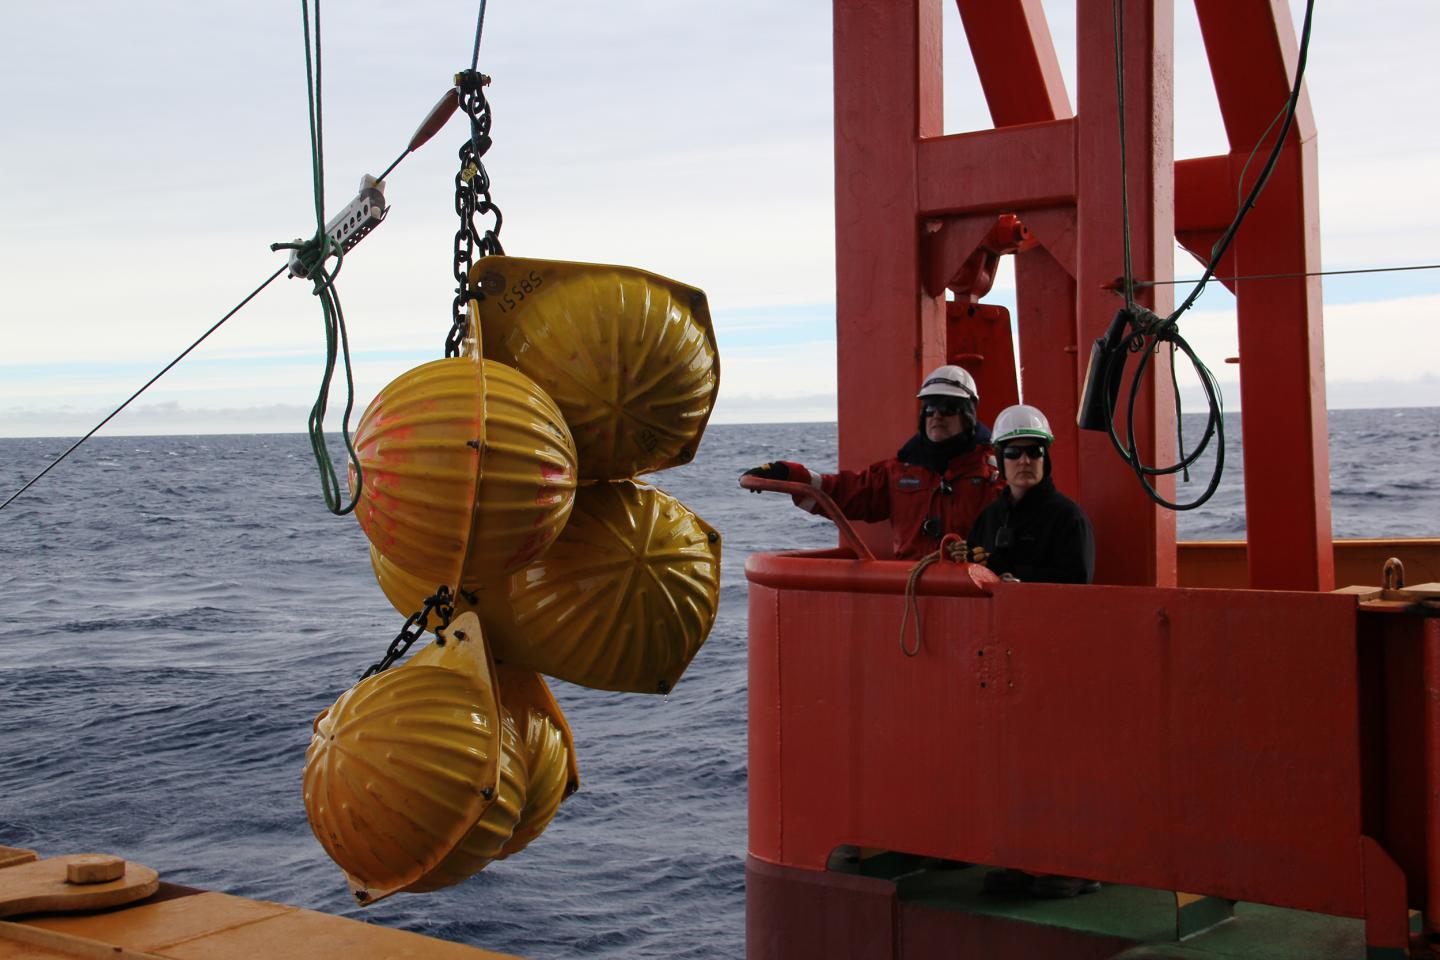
pixel 403 589
pixel 622 600
pixel 629 356
pixel 549 751
pixel 469 471
pixel 490 838
pixel 412 780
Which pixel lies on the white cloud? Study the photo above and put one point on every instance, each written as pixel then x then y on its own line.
pixel 1388 346
pixel 778 384
pixel 761 408
pixel 689 138
pixel 165 417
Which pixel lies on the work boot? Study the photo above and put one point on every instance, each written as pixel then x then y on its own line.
pixel 1055 887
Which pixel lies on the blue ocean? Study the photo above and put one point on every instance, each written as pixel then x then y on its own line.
pixel 174 611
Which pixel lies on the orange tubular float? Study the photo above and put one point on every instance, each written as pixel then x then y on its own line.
pixel 1231 726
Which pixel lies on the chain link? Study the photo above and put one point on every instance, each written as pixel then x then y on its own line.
pixel 472 199
pixel 442 603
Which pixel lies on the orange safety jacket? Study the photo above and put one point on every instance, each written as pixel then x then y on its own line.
pixel 921 505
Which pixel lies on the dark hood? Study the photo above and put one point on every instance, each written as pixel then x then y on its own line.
pixel 924 452
pixel 1042 491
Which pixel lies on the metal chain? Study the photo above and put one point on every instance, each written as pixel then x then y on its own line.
pixel 472 198
pixel 442 603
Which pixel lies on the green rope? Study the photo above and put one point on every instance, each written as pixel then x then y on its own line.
pixel 315 254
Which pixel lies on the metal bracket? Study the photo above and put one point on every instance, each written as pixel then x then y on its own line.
pixel 348 227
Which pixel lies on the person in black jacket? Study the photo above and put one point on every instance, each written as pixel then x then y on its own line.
pixel 1033 532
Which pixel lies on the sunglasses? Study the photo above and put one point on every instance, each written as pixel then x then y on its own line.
pixel 1015 453
pixel 943 409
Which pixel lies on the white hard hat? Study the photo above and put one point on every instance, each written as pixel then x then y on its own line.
pixel 1020 422
pixel 949 381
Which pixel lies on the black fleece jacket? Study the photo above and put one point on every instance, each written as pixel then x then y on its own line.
pixel 1042 538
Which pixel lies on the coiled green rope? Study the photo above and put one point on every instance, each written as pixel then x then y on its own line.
pixel 314 255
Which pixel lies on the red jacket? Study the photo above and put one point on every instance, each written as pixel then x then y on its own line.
pixel 908 494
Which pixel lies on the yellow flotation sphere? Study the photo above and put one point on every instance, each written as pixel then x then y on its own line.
pixel 489 838
pixel 629 356
pixel 405 591
pixel 622 600
pixel 549 752
pixel 405 764
pixel 469 471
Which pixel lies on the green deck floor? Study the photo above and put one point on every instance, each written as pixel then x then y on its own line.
pixel 1140 914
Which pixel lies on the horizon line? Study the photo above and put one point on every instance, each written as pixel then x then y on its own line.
pixel 746 423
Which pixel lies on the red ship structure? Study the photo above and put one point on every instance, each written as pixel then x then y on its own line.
pixel 1246 756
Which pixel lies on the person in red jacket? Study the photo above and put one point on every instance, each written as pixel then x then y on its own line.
pixel 937 483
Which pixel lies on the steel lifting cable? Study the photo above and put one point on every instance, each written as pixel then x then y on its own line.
pixel 479 29
pixel 183 354
pixel 1291 276
pixel 1143 331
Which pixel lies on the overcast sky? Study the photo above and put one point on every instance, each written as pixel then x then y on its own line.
pixel 152 152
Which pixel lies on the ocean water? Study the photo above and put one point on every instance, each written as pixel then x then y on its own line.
pixel 174 611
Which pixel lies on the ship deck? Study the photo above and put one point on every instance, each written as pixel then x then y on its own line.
pixel 1137 923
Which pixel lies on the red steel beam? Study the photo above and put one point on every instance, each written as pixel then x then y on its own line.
pixel 1045 314
pixel 1020 74
pixel 1050 344
pixel 894 171
pixel 889 331
pixel 1252 48
pixel 1253 52
pixel 1282 384
pixel 959 173
pixel 981 342
pixel 1135 543
pixel 947 245
pixel 1204 206
pixel 1204 194
pixel 1015 58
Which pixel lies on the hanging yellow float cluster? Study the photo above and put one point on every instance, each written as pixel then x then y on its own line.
pixel 507 475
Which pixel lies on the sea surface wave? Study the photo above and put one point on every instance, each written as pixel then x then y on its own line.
pixel 176 611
